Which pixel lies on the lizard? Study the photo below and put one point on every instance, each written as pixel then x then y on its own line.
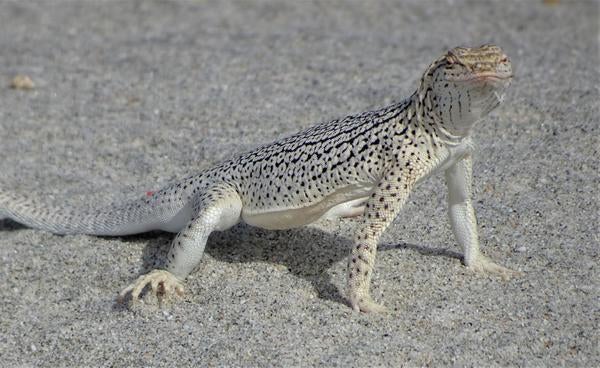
pixel 363 165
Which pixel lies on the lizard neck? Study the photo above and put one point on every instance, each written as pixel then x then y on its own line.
pixel 429 119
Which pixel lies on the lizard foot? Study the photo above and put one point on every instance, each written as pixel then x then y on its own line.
pixel 162 283
pixel 483 264
pixel 366 305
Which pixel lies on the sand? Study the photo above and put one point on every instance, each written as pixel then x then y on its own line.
pixel 128 96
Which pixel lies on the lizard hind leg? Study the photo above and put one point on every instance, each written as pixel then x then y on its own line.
pixel 217 209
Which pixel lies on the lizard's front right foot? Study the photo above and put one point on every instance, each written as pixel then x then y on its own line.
pixel 483 264
pixel 364 303
pixel 162 284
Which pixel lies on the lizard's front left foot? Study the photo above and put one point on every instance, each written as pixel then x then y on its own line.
pixel 162 284
pixel 483 264
pixel 365 304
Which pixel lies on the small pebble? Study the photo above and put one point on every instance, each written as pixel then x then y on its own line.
pixel 21 81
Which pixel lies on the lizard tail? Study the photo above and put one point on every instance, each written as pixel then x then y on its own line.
pixel 133 217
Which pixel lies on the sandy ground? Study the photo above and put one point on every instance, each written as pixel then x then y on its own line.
pixel 131 95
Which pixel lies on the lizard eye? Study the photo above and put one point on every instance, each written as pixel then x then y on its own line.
pixel 504 59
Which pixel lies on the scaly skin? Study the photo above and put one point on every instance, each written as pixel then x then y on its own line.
pixel 365 164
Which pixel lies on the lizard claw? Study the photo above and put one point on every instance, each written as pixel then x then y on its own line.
pixel 162 283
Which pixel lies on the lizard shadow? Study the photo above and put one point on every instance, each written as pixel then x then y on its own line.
pixel 307 252
pixel 10 225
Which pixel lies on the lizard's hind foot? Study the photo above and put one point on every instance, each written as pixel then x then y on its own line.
pixel 162 284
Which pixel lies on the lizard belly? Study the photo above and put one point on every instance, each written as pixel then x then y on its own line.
pixel 291 217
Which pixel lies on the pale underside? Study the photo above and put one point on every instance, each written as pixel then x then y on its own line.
pixel 345 202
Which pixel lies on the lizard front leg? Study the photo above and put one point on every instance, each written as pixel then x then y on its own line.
pixel 463 221
pixel 217 209
pixel 381 209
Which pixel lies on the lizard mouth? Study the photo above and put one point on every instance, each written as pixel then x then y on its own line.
pixel 484 77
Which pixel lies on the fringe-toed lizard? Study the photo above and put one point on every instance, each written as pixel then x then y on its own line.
pixel 361 165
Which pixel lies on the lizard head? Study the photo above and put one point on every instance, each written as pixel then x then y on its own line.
pixel 468 83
